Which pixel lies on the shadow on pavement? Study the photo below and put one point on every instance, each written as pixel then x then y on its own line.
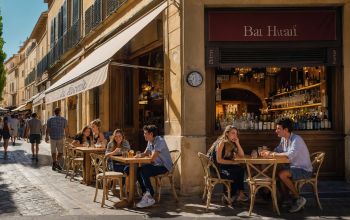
pixel 7 205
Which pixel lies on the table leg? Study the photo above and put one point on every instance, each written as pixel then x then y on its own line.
pixel 131 196
pixel 87 169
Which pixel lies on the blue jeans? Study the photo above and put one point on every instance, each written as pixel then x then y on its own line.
pixel 144 174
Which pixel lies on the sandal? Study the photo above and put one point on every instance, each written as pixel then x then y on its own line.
pixel 243 198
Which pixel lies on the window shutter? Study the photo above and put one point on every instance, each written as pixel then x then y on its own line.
pixel 75 10
pixel 64 13
pixel 52 33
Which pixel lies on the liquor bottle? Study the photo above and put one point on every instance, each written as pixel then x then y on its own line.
pixel 218 94
pixel 306 82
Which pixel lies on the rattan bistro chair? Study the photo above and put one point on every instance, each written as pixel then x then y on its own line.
pixel 104 177
pixel 262 176
pixel 317 160
pixel 73 161
pixel 211 178
pixel 175 156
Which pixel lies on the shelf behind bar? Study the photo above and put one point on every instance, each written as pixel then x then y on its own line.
pixel 304 88
pixel 295 107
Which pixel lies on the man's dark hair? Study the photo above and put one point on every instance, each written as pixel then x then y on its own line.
pixel 151 129
pixel 34 115
pixel 57 111
pixel 286 123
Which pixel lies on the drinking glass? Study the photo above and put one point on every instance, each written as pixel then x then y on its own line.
pixel 254 154
pixel 265 147
pixel 138 153
pixel 260 149
pixel 125 153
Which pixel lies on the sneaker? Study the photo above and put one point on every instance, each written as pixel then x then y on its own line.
pixel 146 201
pixel 298 204
pixel 54 167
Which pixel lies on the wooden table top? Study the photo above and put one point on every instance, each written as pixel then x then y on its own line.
pixel 91 149
pixel 248 158
pixel 131 159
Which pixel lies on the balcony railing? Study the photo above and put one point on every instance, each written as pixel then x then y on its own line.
pixel 30 78
pixel 42 66
pixel 113 5
pixel 69 39
pixel 95 13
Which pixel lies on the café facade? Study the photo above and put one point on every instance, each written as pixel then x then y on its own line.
pixel 193 67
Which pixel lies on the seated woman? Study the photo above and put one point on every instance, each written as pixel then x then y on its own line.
pixel 116 146
pixel 83 138
pixel 97 134
pixel 223 153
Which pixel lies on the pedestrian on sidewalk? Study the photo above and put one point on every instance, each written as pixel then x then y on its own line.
pixel 57 129
pixel 6 135
pixel 1 127
pixel 34 128
pixel 294 147
pixel 14 122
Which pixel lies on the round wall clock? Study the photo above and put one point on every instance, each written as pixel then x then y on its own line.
pixel 194 78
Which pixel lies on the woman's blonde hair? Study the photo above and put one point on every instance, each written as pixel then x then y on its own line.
pixel 229 145
pixel 96 122
pixel 112 139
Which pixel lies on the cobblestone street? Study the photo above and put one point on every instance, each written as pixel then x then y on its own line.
pixel 28 189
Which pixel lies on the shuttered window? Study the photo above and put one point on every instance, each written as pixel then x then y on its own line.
pixel 75 11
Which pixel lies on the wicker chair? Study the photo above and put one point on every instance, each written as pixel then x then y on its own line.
pixel 317 160
pixel 175 155
pixel 211 178
pixel 104 177
pixel 261 173
pixel 73 161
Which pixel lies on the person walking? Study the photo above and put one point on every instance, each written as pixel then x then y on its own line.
pixel 34 129
pixel 14 123
pixel 6 135
pixel 57 129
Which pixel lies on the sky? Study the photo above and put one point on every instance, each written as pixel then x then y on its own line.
pixel 19 18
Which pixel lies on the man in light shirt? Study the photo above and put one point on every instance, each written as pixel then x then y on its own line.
pixel 34 129
pixel 294 147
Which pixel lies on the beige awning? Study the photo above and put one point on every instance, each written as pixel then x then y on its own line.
pixel 39 100
pixel 24 107
pixel 3 109
pixel 32 98
pixel 92 71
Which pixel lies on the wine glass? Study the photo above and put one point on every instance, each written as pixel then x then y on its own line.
pixel 254 154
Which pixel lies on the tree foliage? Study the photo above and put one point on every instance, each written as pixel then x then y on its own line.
pixel 2 60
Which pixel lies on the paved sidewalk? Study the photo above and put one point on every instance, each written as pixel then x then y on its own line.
pixel 31 189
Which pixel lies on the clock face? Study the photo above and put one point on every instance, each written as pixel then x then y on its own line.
pixel 194 78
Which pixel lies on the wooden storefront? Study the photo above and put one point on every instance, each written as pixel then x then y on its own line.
pixel 253 66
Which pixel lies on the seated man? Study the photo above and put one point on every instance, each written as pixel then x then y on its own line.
pixel 294 147
pixel 158 150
